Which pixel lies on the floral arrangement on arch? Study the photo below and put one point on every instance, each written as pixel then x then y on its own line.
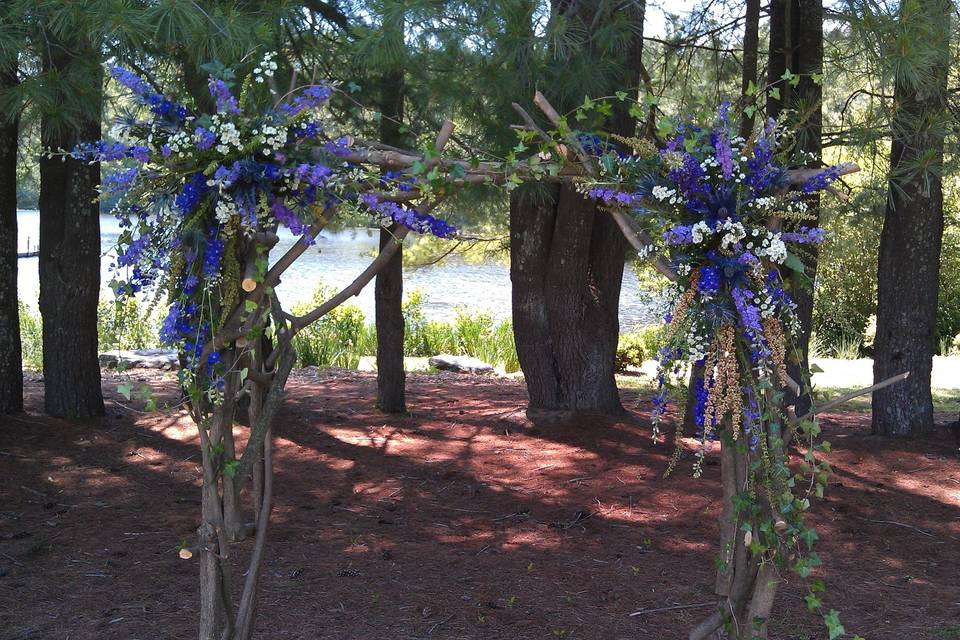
pixel 727 218
pixel 204 186
pixel 722 211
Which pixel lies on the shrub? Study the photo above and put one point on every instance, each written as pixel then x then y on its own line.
pixel 846 289
pixel 31 337
pixel 948 299
pixel 630 351
pixel 126 324
pixel 338 339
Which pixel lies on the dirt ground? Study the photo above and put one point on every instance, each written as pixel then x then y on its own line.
pixel 459 521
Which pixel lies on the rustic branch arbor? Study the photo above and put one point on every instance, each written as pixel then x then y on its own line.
pixel 255 342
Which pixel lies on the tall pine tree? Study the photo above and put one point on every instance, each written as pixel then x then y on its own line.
pixel 909 262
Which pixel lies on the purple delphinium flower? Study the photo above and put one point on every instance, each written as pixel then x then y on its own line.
pixel 723 153
pixel 310 98
pixel 805 235
pixel 709 281
pixel 204 138
pixel 821 180
pixel 131 81
pixel 338 147
pixel 611 196
pixel 120 181
pixel 134 251
pixel 308 129
pixel 212 257
pixel 680 234
pixel 193 192
pixel 286 217
pixel 226 103
pixel 748 312
pixel 414 220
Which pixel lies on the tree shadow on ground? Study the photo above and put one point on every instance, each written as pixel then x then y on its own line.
pixel 451 522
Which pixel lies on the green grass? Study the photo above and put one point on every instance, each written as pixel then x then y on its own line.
pixel 944 400
pixel 948 633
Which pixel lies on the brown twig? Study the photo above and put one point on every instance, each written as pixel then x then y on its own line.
pixel 850 396
pixel 643 612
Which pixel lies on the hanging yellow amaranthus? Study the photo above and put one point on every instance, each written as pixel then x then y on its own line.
pixel 683 304
pixel 724 397
pixel 777 342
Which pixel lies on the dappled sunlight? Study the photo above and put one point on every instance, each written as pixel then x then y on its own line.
pixel 460 506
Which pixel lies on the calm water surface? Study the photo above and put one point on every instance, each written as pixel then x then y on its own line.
pixel 338 257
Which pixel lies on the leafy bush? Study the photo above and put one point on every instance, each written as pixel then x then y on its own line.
pixel 630 352
pixel 31 337
pixel 472 334
pixel 126 324
pixel 338 339
pixel 948 302
pixel 846 289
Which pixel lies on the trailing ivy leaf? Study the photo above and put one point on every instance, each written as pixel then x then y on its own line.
pixel 795 263
pixel 834 628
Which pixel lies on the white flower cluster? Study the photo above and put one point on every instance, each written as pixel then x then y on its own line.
pixel 228 134
pixel 698 341
pixel 700 231
pixel 274 138
pixel 765 303
pixel 733 233
pixel 226 208
pixel 180 143
pixel 765 202
pixel 770 245
pixel 709 163
pixel 645 251
pixel 662 193
pixel 266 68
pixel 797 206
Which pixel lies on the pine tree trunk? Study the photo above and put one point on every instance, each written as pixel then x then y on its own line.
pixel 388 292
pixel 909 264
pixel 566 267
pixel 388 288
pixel 11 364
pixel 70 267
pixel 796 45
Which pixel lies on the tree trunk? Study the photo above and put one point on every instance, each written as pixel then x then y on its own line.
pixel 796 45
pixel 11 360
pixel 566 267
pixel 388 288
pixel 70 264
pixel 751 44
pixel 909 263
pixel 388 293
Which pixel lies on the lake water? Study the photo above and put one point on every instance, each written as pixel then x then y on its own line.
pixel 338 257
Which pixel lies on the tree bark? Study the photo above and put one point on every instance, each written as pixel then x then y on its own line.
pixel 388 288
pixel 11 359
pixel 910 242
pixel 751 44
pixel 796 45
pixel 566 268
pixel 70 257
